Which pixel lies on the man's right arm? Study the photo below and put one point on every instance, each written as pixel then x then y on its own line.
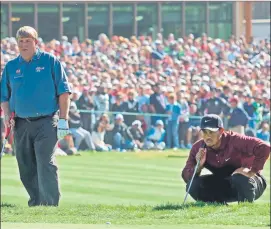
pixel 188 170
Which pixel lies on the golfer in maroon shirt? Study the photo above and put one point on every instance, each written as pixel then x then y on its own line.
pixel 234 160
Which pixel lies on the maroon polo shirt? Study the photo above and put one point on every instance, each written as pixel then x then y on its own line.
pixel 235 151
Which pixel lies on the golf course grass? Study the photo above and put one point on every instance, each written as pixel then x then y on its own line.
pixel 124 190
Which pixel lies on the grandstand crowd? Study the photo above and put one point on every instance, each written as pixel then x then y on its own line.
pixel 166 83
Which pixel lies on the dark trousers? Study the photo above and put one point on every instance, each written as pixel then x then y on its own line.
pixel 35 142
pixel 86 122
pixel 183 128
pixel 211 188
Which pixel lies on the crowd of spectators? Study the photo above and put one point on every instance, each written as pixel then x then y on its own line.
pixel 183 78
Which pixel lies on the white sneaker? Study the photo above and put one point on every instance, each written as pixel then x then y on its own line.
pixel 175 148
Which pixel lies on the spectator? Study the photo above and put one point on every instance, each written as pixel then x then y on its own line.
pixel 86 102
pixel 135 136
pixel 157 103
pixel 193 132
pixel 156 137
pixel 130 106
pixel 173 109
pixel 118 106
pixel 144 104
pixel 249 107
pixel 98 137
pixel 119 133
pixel 77 131
pixel 264 132
pixel 226 94
pixel 183 121
pixel 215 105
pixel 238 117
pixel 102 100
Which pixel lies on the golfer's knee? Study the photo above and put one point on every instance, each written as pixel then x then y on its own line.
pixel 195 188
pixel 244 187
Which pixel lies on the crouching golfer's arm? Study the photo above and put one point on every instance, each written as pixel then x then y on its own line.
pixel 196 153
pixel 252 147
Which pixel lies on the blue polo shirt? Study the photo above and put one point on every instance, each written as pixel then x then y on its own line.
pixel 32 88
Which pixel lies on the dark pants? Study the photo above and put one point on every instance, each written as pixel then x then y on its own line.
pixel 35 142
pixel 183 128
pixel 86 122
pixel 211 188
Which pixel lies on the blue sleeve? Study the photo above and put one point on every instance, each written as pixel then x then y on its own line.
pixel 162 137
pixel 167 107
pixel 60 77
pixel 150 133
pixel 246 116
pixel 259 134
pixel 180 109
pixel 5 87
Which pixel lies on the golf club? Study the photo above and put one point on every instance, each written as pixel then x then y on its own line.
pixel 190 184
pixel 7 135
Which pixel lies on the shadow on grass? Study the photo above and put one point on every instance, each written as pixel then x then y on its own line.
pixel 6 205
pixel 169 206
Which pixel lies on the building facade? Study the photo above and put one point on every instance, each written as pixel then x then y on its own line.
pixel 261 20
pixel 88 19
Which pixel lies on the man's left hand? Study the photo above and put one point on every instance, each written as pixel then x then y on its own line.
pixel 62 128
pixel 244 171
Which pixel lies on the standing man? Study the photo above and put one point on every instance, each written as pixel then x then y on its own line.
pixel 238 117
pixel 157 104
pixel 235 160
pixel 35 87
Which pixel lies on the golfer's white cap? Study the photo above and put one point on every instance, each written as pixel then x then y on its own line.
pixel 119 116
pixel 136 122
pixel 159 122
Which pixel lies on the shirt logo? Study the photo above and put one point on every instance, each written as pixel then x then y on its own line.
pixel 38 69
pixel 18 74
pixel 207 120
pixel 227 159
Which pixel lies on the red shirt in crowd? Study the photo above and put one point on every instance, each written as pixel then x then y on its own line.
pixel 235 151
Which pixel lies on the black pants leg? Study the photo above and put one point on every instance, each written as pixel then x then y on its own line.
pixel 44 144
pixel 211 188
pixel 248 189
pixel 26 159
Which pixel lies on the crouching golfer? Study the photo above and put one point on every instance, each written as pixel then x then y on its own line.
pixel 235 161
pixel 34 86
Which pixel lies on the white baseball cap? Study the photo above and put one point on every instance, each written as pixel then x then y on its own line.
pixel 136 122
pixel 119 116
pixel 159 122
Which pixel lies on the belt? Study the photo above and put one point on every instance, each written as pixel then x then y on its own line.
pixel 31 119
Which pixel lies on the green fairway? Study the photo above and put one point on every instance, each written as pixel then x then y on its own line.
pixel 125 189
pixel 89 226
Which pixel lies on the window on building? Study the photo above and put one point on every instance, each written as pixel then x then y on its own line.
pixel 172 18
pixel 4 20
pixel 73 20
pixel 98 20
pixel 220 18
pixel 123 20
pixel 22 15
pixel 147 19
pixel 48 21
pixel 195 15
pixel 261 10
